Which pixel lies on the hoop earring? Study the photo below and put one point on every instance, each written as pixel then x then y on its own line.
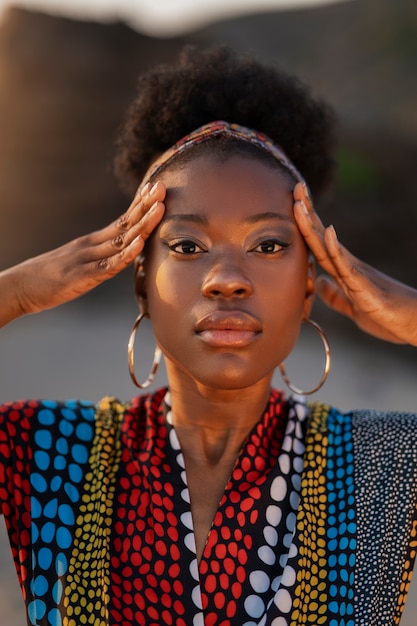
pixel 326 365
pixel 131 356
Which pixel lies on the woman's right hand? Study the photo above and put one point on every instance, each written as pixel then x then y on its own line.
pixel 75 268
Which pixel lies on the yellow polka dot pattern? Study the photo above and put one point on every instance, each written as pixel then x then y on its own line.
pixel 407 573
pixel 310 602
pixel 86 597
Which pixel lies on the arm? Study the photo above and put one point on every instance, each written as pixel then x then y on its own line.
pixel 68 272
pixel 378 304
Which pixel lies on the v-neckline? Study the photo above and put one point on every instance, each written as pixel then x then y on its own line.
pixel 256 443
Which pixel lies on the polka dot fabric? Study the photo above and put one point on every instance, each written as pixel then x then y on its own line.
pixel 44 450
pixel 86 595
pixel 317 524
pixel 254 524
pixel 386 477
pixel 326 524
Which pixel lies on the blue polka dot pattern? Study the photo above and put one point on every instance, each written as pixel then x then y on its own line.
pixel 341 520
pixel 60 445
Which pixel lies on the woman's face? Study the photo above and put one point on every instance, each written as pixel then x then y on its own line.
pixel 228 279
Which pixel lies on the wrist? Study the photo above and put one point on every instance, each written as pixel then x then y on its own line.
pixel 12 304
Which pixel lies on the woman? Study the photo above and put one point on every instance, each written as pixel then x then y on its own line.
pixel 218 501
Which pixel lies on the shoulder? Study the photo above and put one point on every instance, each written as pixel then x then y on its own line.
pixel 48 410
pixel 389 437
pixel 45 412
pixel 27 408
pixel 36 424
pixel 372 431
pixel 46 425
pixel 391 419
pixel 81 418
pixel 367 418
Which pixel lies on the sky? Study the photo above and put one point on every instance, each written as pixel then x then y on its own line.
pixel 159 17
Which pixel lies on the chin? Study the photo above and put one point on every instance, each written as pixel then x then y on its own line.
pixel 230 372
pixel 232 380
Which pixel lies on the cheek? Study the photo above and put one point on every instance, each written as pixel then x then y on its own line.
pixel 287 292
pixel 171 299
pixel 289 279
pixel 159 283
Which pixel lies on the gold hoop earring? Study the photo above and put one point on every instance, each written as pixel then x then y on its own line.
pixel 131 356
pixel 326 365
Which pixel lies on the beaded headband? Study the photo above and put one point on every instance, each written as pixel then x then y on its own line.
pixel 235 131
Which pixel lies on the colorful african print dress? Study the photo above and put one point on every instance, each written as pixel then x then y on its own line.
pixel 317 524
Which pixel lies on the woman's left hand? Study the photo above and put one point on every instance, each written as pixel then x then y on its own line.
pixel 378 304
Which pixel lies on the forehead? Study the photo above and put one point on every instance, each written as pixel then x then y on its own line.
pixel 237 181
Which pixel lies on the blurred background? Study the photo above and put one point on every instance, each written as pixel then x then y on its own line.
pixel 68 71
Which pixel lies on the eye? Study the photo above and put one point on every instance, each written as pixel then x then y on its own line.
pixel 270 246
pixel 186 247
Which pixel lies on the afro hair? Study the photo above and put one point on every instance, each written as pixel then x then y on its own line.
pixel 219 84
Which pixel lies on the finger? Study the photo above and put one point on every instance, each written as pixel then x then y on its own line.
pixel 313 237
pixel 351 273
pixel 84 273
pixel 107 267
pixel 148 194
pixel 109 258
pixel 302 194
pixel 141 218
pixel 348 265
pixel 126 228
pixel 334 258
pixel 359 283
pixel 144 224
pixel 141 204
pixel 142 190
pixel 333 296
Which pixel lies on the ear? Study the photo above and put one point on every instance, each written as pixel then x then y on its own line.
pixel 310 287
pixel 140 283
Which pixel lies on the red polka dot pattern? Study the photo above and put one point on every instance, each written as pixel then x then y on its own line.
pixel 15 495
pixel 224 567
pixel 153 561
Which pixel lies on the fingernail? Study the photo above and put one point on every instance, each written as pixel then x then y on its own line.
pixel 145 189
pixel 153 207
pixel 152 191
pixel 306 192
pixel 135 241
pixel 302 206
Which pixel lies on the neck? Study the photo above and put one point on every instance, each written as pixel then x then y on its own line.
pixel 212 424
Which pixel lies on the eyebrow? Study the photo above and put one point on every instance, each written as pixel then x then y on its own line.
pixel 198 218
pixel 268 215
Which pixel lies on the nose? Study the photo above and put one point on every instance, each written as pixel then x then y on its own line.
pixel 226 279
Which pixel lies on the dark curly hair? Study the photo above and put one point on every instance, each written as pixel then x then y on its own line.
pixel 214 84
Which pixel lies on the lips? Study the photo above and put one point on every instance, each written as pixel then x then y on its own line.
pixel 228 329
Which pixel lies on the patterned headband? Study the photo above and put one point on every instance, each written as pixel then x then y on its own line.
pixel 229 130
